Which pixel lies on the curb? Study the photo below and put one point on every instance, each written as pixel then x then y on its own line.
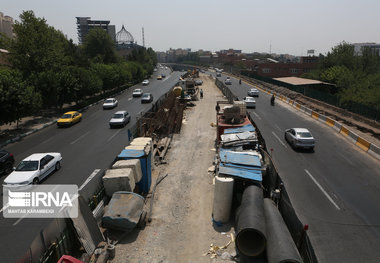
pixel 363 144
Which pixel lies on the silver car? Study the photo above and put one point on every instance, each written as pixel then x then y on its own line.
pixel 253 92
pixel 300 138
pixel 110 103
pixel 120 119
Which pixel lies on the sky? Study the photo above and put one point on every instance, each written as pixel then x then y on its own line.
pixel 276 26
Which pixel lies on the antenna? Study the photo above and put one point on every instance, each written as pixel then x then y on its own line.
pixel 143 37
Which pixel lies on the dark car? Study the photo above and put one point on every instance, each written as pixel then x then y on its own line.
pixel 6 162
pixel 146 98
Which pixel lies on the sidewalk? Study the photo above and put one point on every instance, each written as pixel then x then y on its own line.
pixel 181 229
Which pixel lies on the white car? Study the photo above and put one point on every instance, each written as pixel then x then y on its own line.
pixel 137 93
pixel 250 102
pixel 253 92
pixel 33 169
pixel 120 118
pixel 110 103
pixel 300 138
pixel 228 81
pixel 145 82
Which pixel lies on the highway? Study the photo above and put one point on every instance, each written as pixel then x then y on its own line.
pixel 86 147
pixel 335 189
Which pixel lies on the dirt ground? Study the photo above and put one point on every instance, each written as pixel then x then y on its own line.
pixel 182 229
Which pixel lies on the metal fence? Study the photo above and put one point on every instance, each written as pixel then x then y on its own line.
pixel 271 182
pixel 372 113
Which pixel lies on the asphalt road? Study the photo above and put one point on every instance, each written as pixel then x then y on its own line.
pixel 335 189
pixel 85 147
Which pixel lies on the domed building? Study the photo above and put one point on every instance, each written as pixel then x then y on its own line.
pixel 124 39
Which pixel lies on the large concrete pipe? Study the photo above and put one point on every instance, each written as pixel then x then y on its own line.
pixel 280 246
pixel 250 219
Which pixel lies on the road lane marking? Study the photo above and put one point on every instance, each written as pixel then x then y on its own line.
pixel 323 190
pixel 5 207
pixel 95 172
pixel 130 99
pixel 257 115
pixel 81 137
pixel 116 133
pixel 278 127
pixel 278 138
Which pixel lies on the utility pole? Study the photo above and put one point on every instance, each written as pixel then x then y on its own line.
pixel 143 38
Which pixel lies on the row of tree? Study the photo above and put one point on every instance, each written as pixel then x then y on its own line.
pixel 47 70
pixel 357 77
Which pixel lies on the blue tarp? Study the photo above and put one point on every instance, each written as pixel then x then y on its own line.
pixel 244 128
pixel 239 158
pixel 130 154
pixel 240 171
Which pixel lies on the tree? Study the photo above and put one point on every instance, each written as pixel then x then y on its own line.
pixel 38 47
pixel 16 98
pixel 99 47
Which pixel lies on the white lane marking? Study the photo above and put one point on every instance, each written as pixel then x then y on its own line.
pixel 81 137
pixel 130 99
pixel 323 190
pixel 278 138
pixel 257 115
pixel 5 207
pixel 116 133
pixel 95 172
pixel 278 127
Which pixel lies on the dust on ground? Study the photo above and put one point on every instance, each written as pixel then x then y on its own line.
pixel 182 229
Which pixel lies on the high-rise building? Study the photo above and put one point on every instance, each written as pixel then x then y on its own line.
pixel 6 25
pixel 85 24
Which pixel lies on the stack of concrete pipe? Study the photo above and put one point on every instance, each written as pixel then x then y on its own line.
pixel 260 227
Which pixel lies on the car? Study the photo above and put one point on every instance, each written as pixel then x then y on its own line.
pixel 69 119
pixel 218 74
pixel 110 103
pixel 228 81
pixel 163 76
pixel 300 138
pixel 155 69
pixel 145 82
pixel 146 98
pixel 253 92
pixel 137 93
pixel 120 119
pixel 198 82
pixel 250 102
pixel 7 161
pixel 159 77
pixel 33 169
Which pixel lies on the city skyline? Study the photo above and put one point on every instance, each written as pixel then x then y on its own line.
pixel 290 27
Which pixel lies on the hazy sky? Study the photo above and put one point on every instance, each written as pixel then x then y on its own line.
pixel 282 26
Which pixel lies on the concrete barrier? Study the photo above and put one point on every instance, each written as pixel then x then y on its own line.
pixel 315 115
pixel 374 151
pixel 330 122
pixel 363 144
pixel 353 136
pixel 115 180
pixel 337 126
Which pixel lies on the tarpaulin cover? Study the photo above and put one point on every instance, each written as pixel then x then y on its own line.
pixel 240 158
pixel 244 128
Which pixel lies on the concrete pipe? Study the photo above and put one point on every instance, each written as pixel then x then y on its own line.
pixel 280 246
pixel 250 219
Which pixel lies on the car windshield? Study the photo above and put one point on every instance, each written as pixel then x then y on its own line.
pixel 118 116
pixel 304 134
pixel 109 101
pixel 26 166
pixel 66 116
pixel 146 96
pixel 137 91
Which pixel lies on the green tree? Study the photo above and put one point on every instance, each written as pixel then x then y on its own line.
pixel 16 98
pixel 99 47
